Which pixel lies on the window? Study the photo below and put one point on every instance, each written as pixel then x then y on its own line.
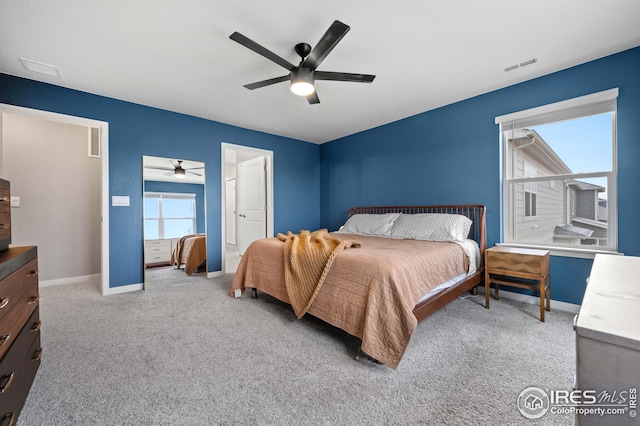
pixel 169 215
pixel 559 174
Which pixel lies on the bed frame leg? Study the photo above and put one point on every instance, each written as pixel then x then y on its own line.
pixel 254 293
pixel 364 355
pixel 357 357
pixel 474 290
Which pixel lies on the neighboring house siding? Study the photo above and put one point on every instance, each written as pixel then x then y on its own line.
pixel 549 211
pixel 586 204
pixel 549 201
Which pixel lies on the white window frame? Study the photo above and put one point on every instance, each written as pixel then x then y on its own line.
pixel 596 103
pixel 172 196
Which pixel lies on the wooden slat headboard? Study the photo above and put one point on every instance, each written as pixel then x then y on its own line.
pixel 475 212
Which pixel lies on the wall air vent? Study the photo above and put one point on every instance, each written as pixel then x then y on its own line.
pixel 40 68
pixel 520 64
pixel 94 143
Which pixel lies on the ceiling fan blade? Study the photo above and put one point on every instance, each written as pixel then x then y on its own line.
pixel 194 173
pixel 268 82
pixel 194 168
pixel 329 40
pixel 343 76
pixel 260 50
pixel 313 98
pixel 158 168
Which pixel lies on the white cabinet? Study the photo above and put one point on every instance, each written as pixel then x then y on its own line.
pixel 608 337
pixel 157 252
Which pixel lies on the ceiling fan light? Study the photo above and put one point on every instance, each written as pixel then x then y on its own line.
pixel 302 88
pixel 302 81
pixel 179 173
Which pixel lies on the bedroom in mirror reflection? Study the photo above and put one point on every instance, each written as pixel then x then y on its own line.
pixel 174 219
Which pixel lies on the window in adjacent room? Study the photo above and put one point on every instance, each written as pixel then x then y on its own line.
pixel 168 215
pixel 559 174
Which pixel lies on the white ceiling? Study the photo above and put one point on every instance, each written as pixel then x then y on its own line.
pixel 192 176
pixel 177 55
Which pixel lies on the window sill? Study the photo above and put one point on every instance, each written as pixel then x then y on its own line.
pixel 565 251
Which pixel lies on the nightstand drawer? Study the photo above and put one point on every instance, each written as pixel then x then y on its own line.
pixel 527 263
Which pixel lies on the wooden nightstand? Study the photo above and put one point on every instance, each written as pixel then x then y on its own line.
pixel 518 267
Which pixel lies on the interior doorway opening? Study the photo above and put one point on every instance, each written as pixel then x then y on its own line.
pixel 97 133
pixel 232 156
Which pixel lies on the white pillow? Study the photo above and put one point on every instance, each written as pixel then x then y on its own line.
pixel 378 225
pixel 432 227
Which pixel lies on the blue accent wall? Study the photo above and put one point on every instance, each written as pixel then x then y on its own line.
pixel 452 155
pixel 182 188
pixel 443 156
pixel 137 130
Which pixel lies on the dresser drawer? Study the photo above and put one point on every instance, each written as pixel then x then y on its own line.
pixel 4 193
pixel 15 285
pixel 156 243
pixel 19 366
pixel 5 223
pixel 14 320
pixel 156 258
pixel 5 214
pixel 158 250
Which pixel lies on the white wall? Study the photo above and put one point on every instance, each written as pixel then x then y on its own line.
pixel 49 168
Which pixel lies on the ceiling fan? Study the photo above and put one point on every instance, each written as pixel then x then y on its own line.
pixel 177 170
pixel 303 75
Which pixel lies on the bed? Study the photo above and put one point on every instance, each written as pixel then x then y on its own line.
pixel 189 253
pixel 379 291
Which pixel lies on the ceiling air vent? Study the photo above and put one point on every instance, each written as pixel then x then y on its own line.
pixel 520 65
pixel 40 68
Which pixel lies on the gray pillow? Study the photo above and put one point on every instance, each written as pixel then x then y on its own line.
pixel 431 227
pixel 378 225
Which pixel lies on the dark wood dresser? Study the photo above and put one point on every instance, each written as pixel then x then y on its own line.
pixel 20 349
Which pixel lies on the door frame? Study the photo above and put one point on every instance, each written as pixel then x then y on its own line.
pixel 104 145
pixel 268 155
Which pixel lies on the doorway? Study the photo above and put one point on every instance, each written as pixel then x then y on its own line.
pixel 232 156
pixel 97 147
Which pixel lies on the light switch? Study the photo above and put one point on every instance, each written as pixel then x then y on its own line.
pixel 15 201
pixel 120 200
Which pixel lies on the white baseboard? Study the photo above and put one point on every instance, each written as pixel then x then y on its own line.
pixel 534 300
pixel 123 289
pixel 71 280
pixel 214 274
pixel 97 278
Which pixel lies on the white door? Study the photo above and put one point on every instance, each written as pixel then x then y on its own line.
pixel 251 193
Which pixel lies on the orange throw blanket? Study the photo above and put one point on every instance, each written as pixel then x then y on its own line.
pixel 308 256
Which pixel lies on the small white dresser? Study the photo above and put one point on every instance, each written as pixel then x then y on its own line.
pixel 608 335
pixel 158 252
